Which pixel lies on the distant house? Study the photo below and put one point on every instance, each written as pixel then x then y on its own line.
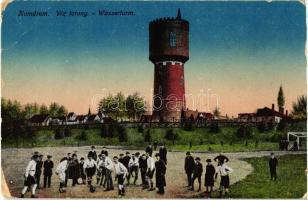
pixel 247 117
pixel 269 115
pixel 58 120
pixel 40 120
pixel 93 118
pixel 81 119
pixel 205 116
pixel 102 116
pixel 71 118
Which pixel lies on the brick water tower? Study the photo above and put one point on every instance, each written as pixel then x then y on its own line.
pixel 169 50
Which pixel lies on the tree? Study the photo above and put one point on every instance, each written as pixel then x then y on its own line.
pixel 31 109
pixel 135 106
pixel 53 109
pixel 122 133
pixel 104 131
pixel 82 136
pixel 171 135
pixel 67 132
pixel 214 127
pixel 216 112
pixel 147 136
pixel 59 134
pixel 299 108
pixel 62 111
pixel 244 132
pixel 43 109
pixel 280 98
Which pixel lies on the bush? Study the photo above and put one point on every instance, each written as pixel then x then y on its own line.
pixel 122 134
pixel 82 136
pixel 140 129
pixel 262 127
pixel 170 135
pixel 104 131
pixel 67 132
pixel 270 126
pixel 112 129
pixel 59 134
pixel 189 125
pixel 282 125
pixel 147 136
pixel 214 127
pixel 244 132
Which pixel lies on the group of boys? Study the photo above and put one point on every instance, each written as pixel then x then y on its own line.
pixel 194 169
pixel 33 173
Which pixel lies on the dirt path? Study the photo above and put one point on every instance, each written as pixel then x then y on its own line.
pixel 14 162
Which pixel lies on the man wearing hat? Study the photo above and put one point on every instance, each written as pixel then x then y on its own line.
pixel 209 176
pixel 48 165
pixel 189 167
pixel 38 171
pixel 160 167
pixel 92 153
pixel 197 173
pixel 82 173
pixel 30 177
pixel 273 162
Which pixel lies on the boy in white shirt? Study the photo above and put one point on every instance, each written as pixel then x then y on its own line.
pixel 150 172
pixel 30 177
pixel 61 172
pixel 90 167
pixel 223 170
pixel 120 174
pixel 109 166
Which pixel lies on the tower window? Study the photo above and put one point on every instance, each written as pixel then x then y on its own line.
pixel 172 39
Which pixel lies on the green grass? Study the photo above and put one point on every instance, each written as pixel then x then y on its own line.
pixel 201 139
pixel 291 182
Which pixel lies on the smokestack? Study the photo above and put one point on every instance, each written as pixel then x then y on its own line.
pixel 273 106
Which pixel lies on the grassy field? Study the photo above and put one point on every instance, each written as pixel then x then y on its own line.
pixel 291 182
pixel 200 139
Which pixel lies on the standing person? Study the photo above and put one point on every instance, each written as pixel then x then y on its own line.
pixel 223 170
pixel 143 169
pixel 109 166
pixel 163 153
pixel 68 158
pixel 133 168
pixel 74 170
pixel 189 167
pixel 221 158
pixel 48 165
pixel 120 174
pixel 197 173
pixel 61 172
pixel 273 162
pixel 149 150
pixel 92 153
pixel 155 145
pixel 126 160
pixel 38 172
pixel 150 172
pixel 102 170
pixel 160 168
pixel 99 171
pixel 104 151
pixel 209 176
pixel 82 173
pixel 89 167
pixel 121 156
pixel 30 177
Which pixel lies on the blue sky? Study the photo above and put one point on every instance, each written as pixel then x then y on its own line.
pixel 242 51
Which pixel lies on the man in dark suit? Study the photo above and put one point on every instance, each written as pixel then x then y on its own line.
pixel 163 153
pixel 189 167
pixel 38 172
pixel 48 166
pixel 221 158
pixel 160 168
pixel 92 153
pixel 197 173
pixel 149 150
pixel 126 160
pixel 273 162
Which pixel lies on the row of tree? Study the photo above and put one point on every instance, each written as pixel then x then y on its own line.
pixel 120 107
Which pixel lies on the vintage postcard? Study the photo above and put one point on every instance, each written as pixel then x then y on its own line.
pixel 153 99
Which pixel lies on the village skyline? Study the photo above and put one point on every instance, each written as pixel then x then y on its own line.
pixel 243 65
